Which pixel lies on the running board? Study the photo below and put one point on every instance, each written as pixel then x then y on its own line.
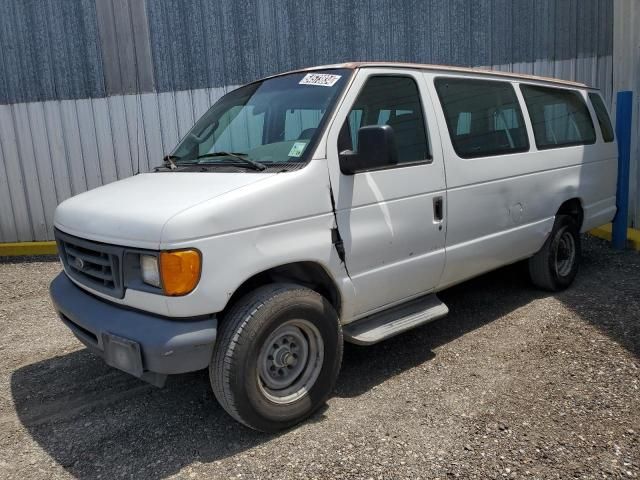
pixel 396 320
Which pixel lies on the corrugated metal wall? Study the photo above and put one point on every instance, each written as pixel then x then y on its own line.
pixel 49 49
pixel 94 90
pixel 626 76
pixel 202 43
pixel 59 148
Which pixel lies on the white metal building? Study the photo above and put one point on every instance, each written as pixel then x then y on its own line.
pixel 92 91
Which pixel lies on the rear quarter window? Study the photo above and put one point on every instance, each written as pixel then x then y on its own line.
pixel 560 118
pixel 603 117
pixel 483 117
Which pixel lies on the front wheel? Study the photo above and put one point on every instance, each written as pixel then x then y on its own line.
pixel 277 356
pixel 555 266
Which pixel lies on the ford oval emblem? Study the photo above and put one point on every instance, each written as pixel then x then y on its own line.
pixel 78 263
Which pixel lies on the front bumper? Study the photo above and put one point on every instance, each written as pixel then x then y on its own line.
pixel 139 343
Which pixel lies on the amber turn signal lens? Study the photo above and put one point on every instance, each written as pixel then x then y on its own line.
pixel 179 271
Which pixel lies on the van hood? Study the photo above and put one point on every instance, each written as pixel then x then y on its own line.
pixel 133 212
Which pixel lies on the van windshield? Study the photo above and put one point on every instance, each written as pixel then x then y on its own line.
pixel 275 121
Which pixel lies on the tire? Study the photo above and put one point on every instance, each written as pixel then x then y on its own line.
pixel 555 266
pixel 262 372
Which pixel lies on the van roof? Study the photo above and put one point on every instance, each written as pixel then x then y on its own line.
pixel 446 68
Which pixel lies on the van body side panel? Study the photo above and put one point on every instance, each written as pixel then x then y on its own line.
pixel 480 255
pixel 501 208
pixel 288 220
pixel 387 235
pixel 233 258
pixel 393 248
pixel 600 207
pixel 523 211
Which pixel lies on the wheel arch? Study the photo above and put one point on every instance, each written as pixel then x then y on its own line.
pixel 309 274
pixel 573 207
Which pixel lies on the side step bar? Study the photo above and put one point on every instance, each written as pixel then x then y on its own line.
pixel 398 319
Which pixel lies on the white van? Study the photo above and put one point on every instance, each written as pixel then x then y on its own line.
pixel 324 205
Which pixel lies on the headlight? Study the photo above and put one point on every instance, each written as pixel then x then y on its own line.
pixel 180 271
pixel 149 267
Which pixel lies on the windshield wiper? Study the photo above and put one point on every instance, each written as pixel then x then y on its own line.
pixel 238 156
pixel 168 163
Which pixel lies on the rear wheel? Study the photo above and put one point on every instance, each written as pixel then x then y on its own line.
pixel 277 356
pixel 555 266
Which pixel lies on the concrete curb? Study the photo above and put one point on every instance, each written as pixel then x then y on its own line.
pixel 604 232
pixel 20 249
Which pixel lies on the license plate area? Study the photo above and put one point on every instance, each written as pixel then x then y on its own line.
pixel 123 354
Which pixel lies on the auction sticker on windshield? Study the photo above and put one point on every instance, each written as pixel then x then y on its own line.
pixel 320 79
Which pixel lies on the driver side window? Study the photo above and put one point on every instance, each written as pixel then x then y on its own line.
pixel 393 101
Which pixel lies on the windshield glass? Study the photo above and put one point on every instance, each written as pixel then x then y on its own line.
pixel 277 120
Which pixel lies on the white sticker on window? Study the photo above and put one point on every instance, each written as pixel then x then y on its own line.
pixel 320 79
pixel 297 149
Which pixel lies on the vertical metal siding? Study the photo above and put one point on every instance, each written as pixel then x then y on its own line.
pixel 626 76
pixel 92 91
pixel 523 36
pixel 66 147
pixel 460 32
pixel 586 42
pixel 502 35
pixel 242 41
pixel 69 49
pixel 7 222
pixel 24 145
pixel 481 33
pixel 14 186
pixel 49 50
pixel 124 41
pixel 543 37
pixel 565 38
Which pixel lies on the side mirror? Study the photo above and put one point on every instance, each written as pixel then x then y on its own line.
pixel 376 149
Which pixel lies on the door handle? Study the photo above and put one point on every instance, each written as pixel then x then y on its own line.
pixel 438 210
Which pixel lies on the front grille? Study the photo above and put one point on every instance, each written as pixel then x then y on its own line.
pixel 96 265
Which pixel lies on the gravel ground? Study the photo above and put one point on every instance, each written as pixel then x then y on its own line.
pixel 513 383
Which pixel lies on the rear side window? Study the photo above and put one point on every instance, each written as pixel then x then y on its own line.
pixel 483 117
pixel 560 118
pixel 603 117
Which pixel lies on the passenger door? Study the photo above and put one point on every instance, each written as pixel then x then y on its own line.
pixel 390 220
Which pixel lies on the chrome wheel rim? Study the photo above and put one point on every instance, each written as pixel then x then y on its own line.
pixel 290 361
pixel 565 254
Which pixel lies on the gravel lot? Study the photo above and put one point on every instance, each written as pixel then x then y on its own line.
pixel 513 383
